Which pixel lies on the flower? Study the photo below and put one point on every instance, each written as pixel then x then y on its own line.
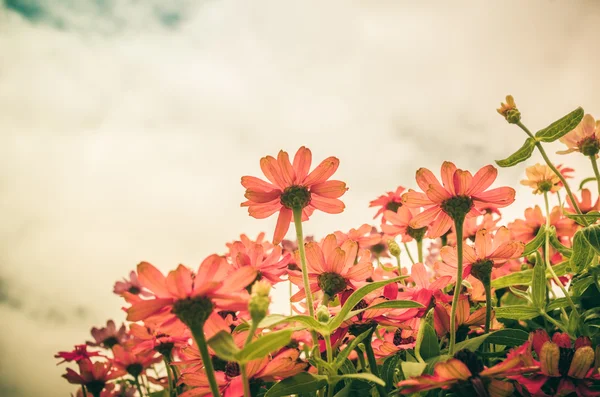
pixel 461 194
pixel 390 201
pixel 585 138
pixel 585 204
pixel 270 264
pixel 109 336
pixel 331 267
pixel 192 297
pixel 92 375
pixel 77 354
pixel 131 286
pixel 293 187
pixel 148 339
pixel 509 110
pixel 487 253
pixel 133 363
pixel 365 236
pixel 526 229
pixel 541 179
pixel 564 368
pixel 399 224
pixel 466 375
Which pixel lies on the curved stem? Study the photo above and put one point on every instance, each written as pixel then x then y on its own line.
pixel 553 168
pixel 420 250
pixel 300 238
pixel 556 323
pixel 139 387
pixel 373 362
pixel 245 380
pixel 458 226
pixel 596 172
pixel 547 258
pixel 251 332
pixel 409 254
pixel 200 339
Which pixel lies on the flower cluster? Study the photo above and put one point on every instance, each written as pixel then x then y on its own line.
pixel 443 296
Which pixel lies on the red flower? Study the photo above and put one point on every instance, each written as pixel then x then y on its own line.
pixel 92 375
pixel 77 354
pixel 460 194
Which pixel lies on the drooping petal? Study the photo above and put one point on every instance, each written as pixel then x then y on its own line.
pixel 329 189
pixel 415 199
pixel 283 224
pixel 145 308
pixel 262 197
pixel 322 172
pixel 482 180
pixel 329 205
pixel 262 211
pixel 452 369
pixel 302 160
pixel 440 226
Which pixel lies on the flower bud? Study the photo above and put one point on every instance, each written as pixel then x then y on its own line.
pixel 259 300
pixel 582 362
pixel 509 110
pixel 394 248
pixel 549 357
pixel 322 314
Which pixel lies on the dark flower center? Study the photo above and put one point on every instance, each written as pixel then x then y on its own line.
pixel 295 196
pixel 110 342
pixel 564 362
pixel 193 312
pixel 589 146
pixel 134 290
pixel 399 340
pixel 482 270
pixel 378 249
pixel 471 360
pixel 457 207
pixel 232 369
pixel 164 348
pixel 545 185
pixel 417 234
pixel 218 364
pixel 95 387
pixel 331 283
pixel 135 369
pixel 393 206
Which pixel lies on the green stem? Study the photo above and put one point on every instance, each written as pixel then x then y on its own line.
pixel 245 381
pixel 290 293
pixel 251 332
pixel 458 226
pixel 488 306
pixel 329 360
pixel 596 172
pixel 200 339
pixel 361 356
pixel 373 362
pixel 139 387
pixel 556 323
pixel 553 168
pixel 547 258
pixel 420 250
pixel 83 391
pixel 409 254
pixel 169 376
pixel 399 265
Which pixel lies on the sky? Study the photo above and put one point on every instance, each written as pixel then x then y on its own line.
pixel 127 125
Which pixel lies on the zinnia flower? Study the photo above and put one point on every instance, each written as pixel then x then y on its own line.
pixel 399 224
pixel 460 194
pixel 293 187
pixel 390 201
pixel 585 204
pixel 365 236
pixel 92 375
pixel 133 363
pixel 541 179
pixel 109 336
pixel 585 138
pixel 270 265
pixel 78 353
pixel 526 229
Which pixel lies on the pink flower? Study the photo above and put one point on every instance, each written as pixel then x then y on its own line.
pixel 109 336
pixel 270 264
pixel 585 138
pixel 93 375
pixel 79 353
pixel 292 186
pixel 398 223
pixel 365 236
pixel 131 286
pixel 390 201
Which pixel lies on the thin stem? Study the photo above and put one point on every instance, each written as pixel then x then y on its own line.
pixel 361 356
pixel 547 258
pixel 399 265
pixel 373 363
pixel 245 381
pixel 200 339
pixel 300 238
pixel 596 172
pixel 251 332
pixel 169 376
pixel 458 226
pixel 139 387
pixel 290 294
pixel 420 250
pixel 409 254
pixel 488 306
pixel 329 360
pixel 556 323
pixel 553 168
pixel 83 391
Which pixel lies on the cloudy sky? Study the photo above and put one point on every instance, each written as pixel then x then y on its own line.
pixel 126 126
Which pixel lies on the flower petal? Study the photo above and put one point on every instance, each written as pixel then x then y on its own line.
pixel 287 171
pixel 262 197
pixel 440 226
pixel 415 199
pixel 145 308
pixel 329 205
pixel 448 170
pixel 302 160
pixel 151 278
pixel 322 172
pixel 501 196
pixel 425 217
pixel 329 189
pixel 283 224
pixel 270 168
pixel 425 178
pixel 256 184
pixel 462 182
pixel 482 180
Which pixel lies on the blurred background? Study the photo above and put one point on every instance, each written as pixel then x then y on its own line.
pixel 126 126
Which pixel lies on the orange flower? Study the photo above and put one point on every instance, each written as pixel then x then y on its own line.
pixel 390 201
pixel 584 138
pixel 459 194
pixel 292 186
pixel 541 179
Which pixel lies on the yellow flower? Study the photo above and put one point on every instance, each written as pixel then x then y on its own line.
pixel 541 179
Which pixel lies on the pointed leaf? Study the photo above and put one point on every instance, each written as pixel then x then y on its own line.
pixel 520 155
pixel 341 357
pixel 427 347
pixel 411 370
pixel 389 370
pixel 583 252
pixel 538 284
pixel 264 345
pixel 396 304
pixel 560 127
pixel 309 322
pixel 518 312
pixel 518 278
pixel 592 235
pixel 508 337
pixel 361 376
pixel 534 244
pixel 223 345
pixel 304 382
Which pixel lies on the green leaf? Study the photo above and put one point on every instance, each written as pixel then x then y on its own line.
pixel 362 376
pixel 565 251
pixel 264 345
pixel 586 180
pixel 559 303
pixel 411 370
pixel 396 304
pixel 591 217
pixel 388 371
pixel 536 243
pixel 224 346
pixel 341 357
pixel 162 393
pixel 508 337
pixel 517 312
pixel 538 284
pixel 428 346
pixel 583 252
pixel 304 382
pixel 518 278
pixel 520 155
pixel 592 235
pixel 310 322
pixel 355 298
pixel 560 127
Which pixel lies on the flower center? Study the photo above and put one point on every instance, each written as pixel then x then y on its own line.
pixel 564 362
pixel 193 312
pixel 399 340
pixel 589 146
pixel 295 196
pixel 232 369
pixel 393 206
pixel 110 342
pixel 134 290
pixel 457 207
pixel 471 360
pixel 95 387
pixel 417 234
pixel 482 270
pixel 545 185
pixel 164 348
pixel 331 283
pixel 134 369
